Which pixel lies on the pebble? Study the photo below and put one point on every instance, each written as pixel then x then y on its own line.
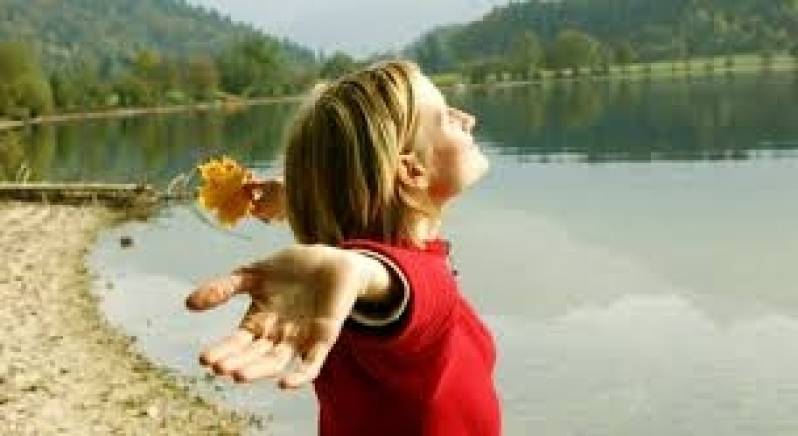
pixel 126 241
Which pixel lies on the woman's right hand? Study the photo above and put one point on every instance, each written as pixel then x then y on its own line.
pixel 301 297
pixel 268 199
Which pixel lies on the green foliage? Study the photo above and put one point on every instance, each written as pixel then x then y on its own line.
pixel 644 30
pixel 135 91
pixel 484 71
pixel 110 33
pixel 24 91
pixel 526 54
pixel 98 54
pixel 337 65
pixel 573 49
pixel 434 52
pixel 251 67
pixel 202 78
pixel 624 53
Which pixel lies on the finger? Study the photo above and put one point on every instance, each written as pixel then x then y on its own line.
pixel 261 324
pixel 287 333
pixel 248 354
pixel 267 366
pixel 308 369
pixel 215 292
pixel 230 345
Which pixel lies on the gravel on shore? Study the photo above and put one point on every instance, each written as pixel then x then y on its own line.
pixel 63 368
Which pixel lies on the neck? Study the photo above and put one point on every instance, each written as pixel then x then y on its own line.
pixel 426 227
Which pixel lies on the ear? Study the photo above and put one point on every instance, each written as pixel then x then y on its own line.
pixel 412 173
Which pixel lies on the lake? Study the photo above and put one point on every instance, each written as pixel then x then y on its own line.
pixel 633 250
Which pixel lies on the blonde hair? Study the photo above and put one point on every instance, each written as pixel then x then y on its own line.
pixel 343 153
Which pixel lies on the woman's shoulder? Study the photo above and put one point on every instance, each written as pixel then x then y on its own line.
pixel 434 247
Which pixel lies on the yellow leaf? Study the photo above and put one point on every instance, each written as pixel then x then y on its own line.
pixel 222 190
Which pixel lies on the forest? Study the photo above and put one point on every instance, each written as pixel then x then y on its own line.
pixel 77 55
pixel 566 33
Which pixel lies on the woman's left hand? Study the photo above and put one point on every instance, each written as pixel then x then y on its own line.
pixel 301 297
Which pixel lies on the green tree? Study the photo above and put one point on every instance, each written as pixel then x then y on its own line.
pixel 24 90
pixel 574 49
pixel 202 78
pixel 337 65
pixel 34 94
pixel 433 53
pixel 624 53
pixel 65 92
pixel 526 54
pixel 134 91
pixel 250 67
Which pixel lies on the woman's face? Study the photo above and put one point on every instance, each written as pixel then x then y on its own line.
pixel 455 161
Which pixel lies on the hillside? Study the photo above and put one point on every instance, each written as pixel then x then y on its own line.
pixel 109 33
pixel 642 29
pixel 78 55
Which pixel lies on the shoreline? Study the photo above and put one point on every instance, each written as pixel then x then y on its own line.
pixel 635 73
pixel 9 124
pixel 659 70
pixel 63 367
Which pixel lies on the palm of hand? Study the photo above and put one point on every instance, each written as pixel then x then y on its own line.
pixel 298 307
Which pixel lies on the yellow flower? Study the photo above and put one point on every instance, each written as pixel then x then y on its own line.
pixel 223 190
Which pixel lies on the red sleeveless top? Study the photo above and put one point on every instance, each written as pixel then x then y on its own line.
pixel 429 373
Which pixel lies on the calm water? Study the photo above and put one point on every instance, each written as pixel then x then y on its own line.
pixel 633 250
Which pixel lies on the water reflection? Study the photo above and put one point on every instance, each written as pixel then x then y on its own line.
pixel 697 119
pixel 722 118
pixel 144 149
pixel 648 365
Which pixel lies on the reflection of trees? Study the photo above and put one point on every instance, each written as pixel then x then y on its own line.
pixel 257 134
pixel 698 119
pixel 42 152
pixel 152 136
pixel 143 149
pixel 516 113
pixel 578 105
pixel 12 155
pixel 704 118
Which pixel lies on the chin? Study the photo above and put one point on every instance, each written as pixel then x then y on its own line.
pixel 481 168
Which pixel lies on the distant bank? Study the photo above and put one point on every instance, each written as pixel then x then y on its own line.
pixel 708 66
pixel 6 124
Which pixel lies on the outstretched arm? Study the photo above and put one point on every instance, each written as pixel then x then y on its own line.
pixel 301 297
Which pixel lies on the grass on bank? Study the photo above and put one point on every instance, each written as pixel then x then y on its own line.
pixel 741 63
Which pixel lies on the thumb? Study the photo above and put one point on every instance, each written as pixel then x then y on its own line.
pixel 218 291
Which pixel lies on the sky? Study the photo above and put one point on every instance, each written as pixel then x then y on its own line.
pixel 358 27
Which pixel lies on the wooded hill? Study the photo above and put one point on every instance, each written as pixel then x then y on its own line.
pixel 77 55
pixel 109 34
pixel 612 31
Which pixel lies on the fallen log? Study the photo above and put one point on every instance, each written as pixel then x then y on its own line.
pixel 119 195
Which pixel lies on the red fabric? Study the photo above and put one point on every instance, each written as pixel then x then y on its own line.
pixel 431 375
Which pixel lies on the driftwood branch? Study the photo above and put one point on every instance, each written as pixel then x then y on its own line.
pixel 129 194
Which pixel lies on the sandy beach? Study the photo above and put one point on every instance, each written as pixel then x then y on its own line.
pixel 63 368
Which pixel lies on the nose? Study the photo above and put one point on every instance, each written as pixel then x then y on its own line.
pixel 469 121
